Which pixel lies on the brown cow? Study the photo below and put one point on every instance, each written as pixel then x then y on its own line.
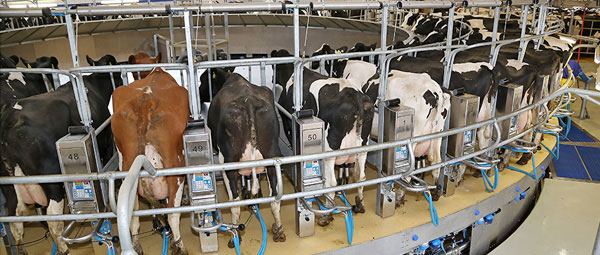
pixel 149 118
pixel 142 58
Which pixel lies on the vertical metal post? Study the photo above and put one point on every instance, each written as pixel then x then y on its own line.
pixel 525 9
pixel 533 13
pixel 72 43
pixel 494 33
pixel 582 111
pixel 207 28
pixel 226 28
pixel 298 65
pixel 194 99
pixel 448 64
pixel 572 23
pixel 263 76
pixel 381 97
pixel 155 44
pixel 172 36
pixel 540 27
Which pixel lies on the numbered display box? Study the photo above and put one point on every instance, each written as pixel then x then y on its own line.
pixel 76 156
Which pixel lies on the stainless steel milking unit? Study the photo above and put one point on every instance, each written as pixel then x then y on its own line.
pixel 202 186
pixel 308 175
pixel 76 156
pixel 464 111
pixel 399 160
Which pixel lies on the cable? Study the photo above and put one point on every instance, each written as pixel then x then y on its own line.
pixel 486 180
pixel 46 235
pixel 432 211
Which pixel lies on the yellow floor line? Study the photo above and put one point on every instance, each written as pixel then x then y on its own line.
pixel 582 162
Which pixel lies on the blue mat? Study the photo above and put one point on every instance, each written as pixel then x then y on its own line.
pixel 591 157
pixel 569 165
pixel 576 135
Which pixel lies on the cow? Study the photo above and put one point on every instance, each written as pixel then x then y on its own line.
pixel 346 111
pixel 17 85
pixel 344 68
pixel 245 127
pixel 29 130
pixel 106 60
pixel 150 116
pixel 431 103
pixel 142 58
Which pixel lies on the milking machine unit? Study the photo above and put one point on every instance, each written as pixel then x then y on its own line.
pixel 464 111
pixel 309 176
pixel 509 100
pixel 197 147
pixel 398 126
pixel 76 156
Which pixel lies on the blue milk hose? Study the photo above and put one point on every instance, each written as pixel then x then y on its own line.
pixel 434 217
pixel 347 215
pixel 534 175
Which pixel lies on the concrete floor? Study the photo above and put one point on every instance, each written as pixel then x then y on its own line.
pixel 564 221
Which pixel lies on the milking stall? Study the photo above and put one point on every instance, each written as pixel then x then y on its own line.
pixel 299 127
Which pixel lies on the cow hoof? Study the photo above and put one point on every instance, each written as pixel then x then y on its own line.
pixel 359 207
pixel 21 250
pixel 501 166
pixel 231 245
pixel 477 174
pixel 64 253
pixel 278 234
pixel 138 248
pixel 177 248
pixel 399 201
pixel 325 220
pixel 524 160
pixel 436 194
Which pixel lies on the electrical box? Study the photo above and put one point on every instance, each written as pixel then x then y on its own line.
pixel 76 156
pixel 197 148
pixel 309 174
pixel 508 100
pixel 309 141
pixel 464 111
pixel 398 126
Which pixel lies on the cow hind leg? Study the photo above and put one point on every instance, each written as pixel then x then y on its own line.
pixel 434 158
pixel 56 227
pixel 17 228
pixel 330 181
pixel 175 201
pixel 277 228
pixel 135 228
pixel 359 169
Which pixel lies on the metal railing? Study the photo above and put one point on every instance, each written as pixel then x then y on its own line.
pixel 122 208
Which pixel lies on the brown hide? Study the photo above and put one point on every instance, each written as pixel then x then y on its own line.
pixel 142 58
pixel 153 110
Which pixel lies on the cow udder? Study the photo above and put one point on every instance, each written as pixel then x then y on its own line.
pixel 247 156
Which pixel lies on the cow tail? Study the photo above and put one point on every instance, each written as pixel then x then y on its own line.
pixel 253 145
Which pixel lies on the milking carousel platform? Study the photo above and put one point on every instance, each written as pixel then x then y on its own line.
pixel 509 204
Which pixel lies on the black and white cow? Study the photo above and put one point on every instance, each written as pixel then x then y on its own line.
pixel 356 69
pixel 346 111
pixel 29 131
pixel 244 127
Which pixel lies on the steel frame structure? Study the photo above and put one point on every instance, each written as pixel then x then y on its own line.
pixel 124 211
